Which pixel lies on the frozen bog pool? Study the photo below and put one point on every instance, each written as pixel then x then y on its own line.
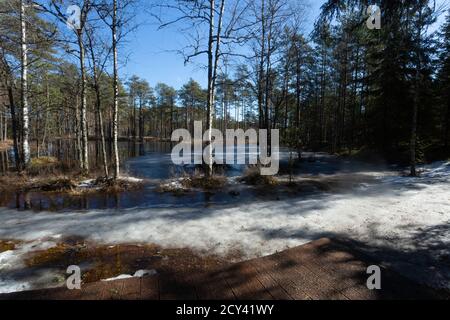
pixel 402 220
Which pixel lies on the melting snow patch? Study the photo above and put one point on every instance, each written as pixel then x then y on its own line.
pixel 137 274
pixel 131 179
pixel 406 215
pixel 86 183
pixel 11 263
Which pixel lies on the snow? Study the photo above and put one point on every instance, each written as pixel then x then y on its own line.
pixel 86 183
pixel 131 179
pixel 405 220
pixel 175 185
pixel 92 183
pixel 137 274
pixel 119 277
pixel 12 262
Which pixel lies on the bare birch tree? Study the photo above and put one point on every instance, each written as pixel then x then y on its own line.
pixel 25 147
pixel 208 16
pixel 118 18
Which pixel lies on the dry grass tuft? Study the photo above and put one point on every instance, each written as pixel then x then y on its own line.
pixel 253 177
pixel 6 245
pixel 193 182
pixel 119 185
pixel 44 166
pixel 205 183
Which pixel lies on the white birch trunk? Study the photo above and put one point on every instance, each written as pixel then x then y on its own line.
pixel 24 86
pixel 210 98
pixel 116 94
pixel 83 115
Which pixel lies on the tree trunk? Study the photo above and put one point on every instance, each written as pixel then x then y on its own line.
pixel 210 94
pixel 116 94
pixel 5 127
pixel 77 131
pixel 24 88
pixel 414 130
pixel 2 138
pixel 98 109
pixel 133 123
pixel 261 67
pixel 14 125
pixel 447 125
pixel 171 114
pixel 416 99
pixel 212 84
pixel 83 111
pixel 141 121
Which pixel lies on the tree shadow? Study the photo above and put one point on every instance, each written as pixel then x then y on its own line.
pixel 424 257
pixel 325 269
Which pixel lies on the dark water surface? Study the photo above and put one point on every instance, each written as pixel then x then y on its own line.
pixel 151 160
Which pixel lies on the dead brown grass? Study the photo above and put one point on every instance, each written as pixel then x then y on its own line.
pixel 191 182
pixel 120 185
pixel 105 261
pixel 12 182
pixel 47 166
pixel 204 183
pixel 69 183
pixel 6 245
pixel 253 177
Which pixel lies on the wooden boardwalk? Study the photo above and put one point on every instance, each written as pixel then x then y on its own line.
pixel 323 269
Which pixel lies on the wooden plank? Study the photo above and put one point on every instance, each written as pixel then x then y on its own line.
pixel 337 268
pixel 176 287
pixel 149 288
pixel 242 278
pixel 322 269
pixel 111 289
pixel 276 271
pixel 131 289
pixel 275 290
pixel 212 286
pixel 310 282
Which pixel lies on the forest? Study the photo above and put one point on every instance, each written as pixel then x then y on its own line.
pixel 352 96
pixel 341 88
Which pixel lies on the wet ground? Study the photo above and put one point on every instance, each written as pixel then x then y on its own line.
pixel 326 195
pixel 152 162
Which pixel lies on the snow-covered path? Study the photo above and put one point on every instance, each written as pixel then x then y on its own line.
pixel 405 220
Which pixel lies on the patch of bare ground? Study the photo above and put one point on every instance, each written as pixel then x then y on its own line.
pixel 73 183
pixel 193 182
pixel 335 183
pixel 252 176
pixel 6 245
pixel 108 261
pixel 108 185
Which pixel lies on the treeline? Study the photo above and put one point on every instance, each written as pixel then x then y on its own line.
pixel 342 88
pixel 59 74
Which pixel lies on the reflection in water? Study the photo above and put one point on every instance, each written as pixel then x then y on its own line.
pixel 65 151
pixel 149 160
pixel 152 160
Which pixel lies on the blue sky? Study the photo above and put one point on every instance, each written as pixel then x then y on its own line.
pixel 150 53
